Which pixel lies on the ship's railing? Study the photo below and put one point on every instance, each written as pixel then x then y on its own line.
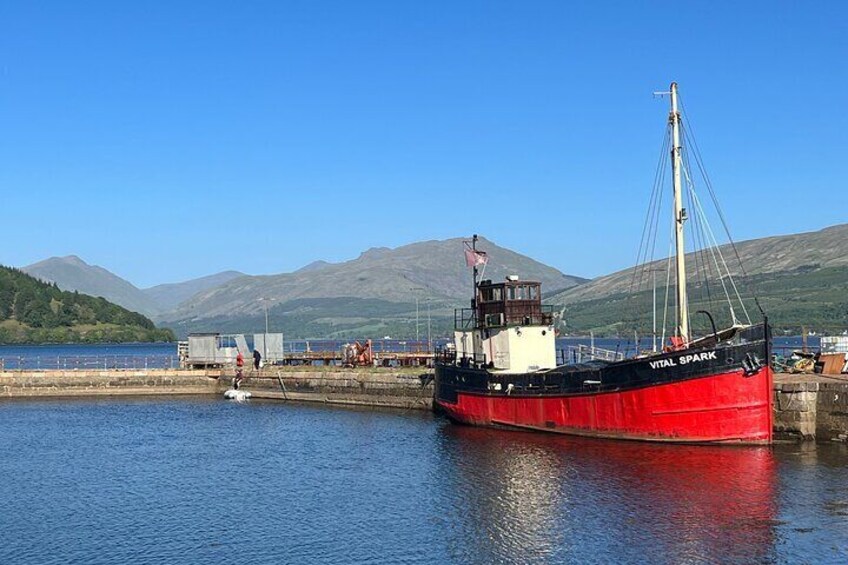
pixel 584 353
pixel 447 356
pixel 526 313
pixel 516 315
pixel 465 318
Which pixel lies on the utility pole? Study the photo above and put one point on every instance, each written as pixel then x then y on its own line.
pixel 429 338
pixel 265 340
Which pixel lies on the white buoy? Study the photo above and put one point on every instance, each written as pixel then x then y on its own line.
pixel 237 395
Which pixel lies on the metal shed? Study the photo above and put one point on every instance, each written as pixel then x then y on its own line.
pixel 214 349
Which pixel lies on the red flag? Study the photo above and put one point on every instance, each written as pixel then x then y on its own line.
pixel 474 258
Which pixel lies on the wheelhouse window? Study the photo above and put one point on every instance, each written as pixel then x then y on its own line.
pixel 491 294
pixel 511 302
pixel 523 292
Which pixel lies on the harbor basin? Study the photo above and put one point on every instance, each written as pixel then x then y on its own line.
pixel 200 480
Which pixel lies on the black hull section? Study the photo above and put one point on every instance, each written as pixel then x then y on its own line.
pixel 601 377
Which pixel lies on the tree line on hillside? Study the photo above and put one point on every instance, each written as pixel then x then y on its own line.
pixel 32 310
pixel 814 300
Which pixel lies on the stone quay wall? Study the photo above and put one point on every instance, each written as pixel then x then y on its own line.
pixel 811 407
pixel 113 382
pixel 394 388
pixel 388 388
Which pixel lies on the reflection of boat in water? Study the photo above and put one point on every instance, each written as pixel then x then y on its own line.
pixel 549 498
pixel 502 369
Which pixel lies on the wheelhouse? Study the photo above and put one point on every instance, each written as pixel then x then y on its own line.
pixel 512 302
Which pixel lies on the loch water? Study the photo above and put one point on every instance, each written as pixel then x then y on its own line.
pixel 202 480
pixel 164 355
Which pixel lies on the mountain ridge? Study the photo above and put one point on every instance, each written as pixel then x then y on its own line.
pixel 168 296
pixel 777 253
pixel 799 280
pixel 802 278
pixel 73 274
pixel 433 270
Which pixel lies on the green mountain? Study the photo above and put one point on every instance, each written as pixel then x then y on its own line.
pixel 73 274
pixel 372 295
pixel 33 311
pixel 800 280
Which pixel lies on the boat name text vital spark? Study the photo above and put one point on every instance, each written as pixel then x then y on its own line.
pixel 691 358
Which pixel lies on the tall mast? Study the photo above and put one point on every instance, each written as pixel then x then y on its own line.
pixel 679 218
pixel 476 273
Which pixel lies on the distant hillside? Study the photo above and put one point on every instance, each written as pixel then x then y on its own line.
pixel 166 297
pixel 800 279
pixel 373 293
pixel 72 273
pixel 32 311
pixel 335 318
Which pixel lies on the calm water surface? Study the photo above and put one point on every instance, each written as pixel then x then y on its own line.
pixel 143 355
pixel 207 481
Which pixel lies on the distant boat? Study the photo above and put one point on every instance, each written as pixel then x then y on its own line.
pixel 501 370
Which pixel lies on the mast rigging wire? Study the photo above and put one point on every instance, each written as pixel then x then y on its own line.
pixel 749 282
pixel 708 259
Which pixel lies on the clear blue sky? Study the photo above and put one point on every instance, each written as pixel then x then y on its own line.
pixel 168 140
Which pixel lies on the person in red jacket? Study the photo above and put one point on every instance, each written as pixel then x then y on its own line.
pixel 239 370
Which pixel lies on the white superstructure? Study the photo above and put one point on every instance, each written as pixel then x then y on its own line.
pixel 508 330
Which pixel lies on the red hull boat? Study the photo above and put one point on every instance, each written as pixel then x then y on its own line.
pixel 502 369
pixel 716 408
